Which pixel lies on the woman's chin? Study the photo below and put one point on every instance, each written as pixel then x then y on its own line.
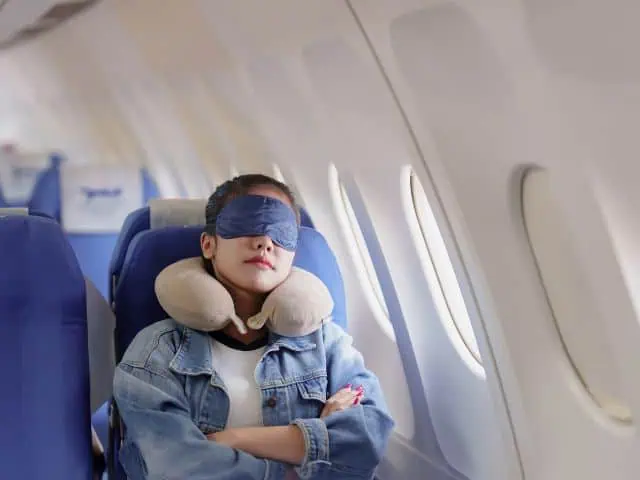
pixel 259 284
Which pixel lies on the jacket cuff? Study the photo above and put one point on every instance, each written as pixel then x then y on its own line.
pixel 275 470
pixel 316 446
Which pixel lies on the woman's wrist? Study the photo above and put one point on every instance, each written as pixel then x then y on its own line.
pixel 231 437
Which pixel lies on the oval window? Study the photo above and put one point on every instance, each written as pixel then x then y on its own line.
pixel 576 316
pixel 441 276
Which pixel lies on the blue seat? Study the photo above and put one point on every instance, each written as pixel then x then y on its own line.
pixel 45 405
pixel 93 250
pixel 159 213
pixel 150 250
pixel 26 174
pixel 135 303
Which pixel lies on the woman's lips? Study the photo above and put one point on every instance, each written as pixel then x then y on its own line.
pixel 260 262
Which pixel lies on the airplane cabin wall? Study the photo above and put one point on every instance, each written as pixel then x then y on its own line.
pixel 348 99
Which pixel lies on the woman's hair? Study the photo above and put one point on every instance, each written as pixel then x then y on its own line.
pixel 236 187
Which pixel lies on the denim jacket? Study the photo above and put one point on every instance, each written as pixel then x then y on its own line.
pixel 170 396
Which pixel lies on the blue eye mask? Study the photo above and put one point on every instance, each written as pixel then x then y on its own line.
pixel 256 215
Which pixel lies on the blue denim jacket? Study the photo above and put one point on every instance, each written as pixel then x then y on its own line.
pixel 170 396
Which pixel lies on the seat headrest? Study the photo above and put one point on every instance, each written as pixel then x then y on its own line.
pixel 47 193
pixel 176 212
pixel 20 237
pixel 13 211
pixel 159 213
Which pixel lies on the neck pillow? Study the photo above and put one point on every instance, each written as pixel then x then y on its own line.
pixel 192 297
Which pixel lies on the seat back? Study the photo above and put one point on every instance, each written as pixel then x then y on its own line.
pixel 44 406
pixel 159 213
pixel 314 255
pixel 135 303
pixel 19 173
pixel 152 238
pixel 92 243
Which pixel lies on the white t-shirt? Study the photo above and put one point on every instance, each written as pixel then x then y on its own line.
pixel 237 368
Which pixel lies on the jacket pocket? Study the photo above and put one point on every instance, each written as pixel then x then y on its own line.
pixel 311 397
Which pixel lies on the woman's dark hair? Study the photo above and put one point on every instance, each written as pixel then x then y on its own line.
pixel 236 187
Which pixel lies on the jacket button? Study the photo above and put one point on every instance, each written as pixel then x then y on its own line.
pixel 271 403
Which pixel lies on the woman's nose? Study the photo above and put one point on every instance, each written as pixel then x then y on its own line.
pixel 262 243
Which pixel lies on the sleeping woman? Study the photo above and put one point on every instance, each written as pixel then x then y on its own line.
pixel 241 403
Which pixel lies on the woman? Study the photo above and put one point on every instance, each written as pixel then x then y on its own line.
pixel 248 406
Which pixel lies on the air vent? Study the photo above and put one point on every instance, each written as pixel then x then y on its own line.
pixel 52 16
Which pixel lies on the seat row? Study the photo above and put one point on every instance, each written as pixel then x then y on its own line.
pixel 61 338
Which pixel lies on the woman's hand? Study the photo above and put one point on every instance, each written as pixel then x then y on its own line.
pixel 343 399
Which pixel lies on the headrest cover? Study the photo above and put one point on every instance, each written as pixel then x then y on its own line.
pixel 6 212
pixel 256 215
pixel 97 198
pixel 176 212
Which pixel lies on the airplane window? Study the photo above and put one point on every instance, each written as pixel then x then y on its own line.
pixel 575 312
pixel 441 277
pixel 359 250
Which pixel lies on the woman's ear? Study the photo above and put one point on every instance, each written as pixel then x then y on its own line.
pixel 208 246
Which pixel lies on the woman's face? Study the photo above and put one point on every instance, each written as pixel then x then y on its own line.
pixel 251 264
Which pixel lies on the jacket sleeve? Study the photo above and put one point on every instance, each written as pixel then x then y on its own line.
pixel 348 444
pixel 163 442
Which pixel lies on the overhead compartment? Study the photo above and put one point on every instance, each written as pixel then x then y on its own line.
pixel 22 20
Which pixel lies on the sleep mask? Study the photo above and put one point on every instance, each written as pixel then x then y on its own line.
pixel 257 215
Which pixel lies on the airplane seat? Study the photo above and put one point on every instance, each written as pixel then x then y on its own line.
pixel 135 303
pixel 93 248
pixel 18 178
pixel 46 193
pixel 314 255
pixel 158 213
pixel 45 404
pixel 168 231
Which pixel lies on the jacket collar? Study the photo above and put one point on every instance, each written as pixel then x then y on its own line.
pixel 194 352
